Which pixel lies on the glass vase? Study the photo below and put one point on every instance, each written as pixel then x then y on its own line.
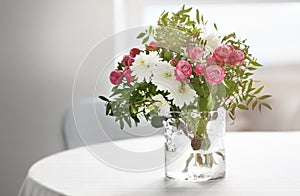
pixel 194 148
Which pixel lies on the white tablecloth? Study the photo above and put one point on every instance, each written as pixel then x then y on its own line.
pixel 257 164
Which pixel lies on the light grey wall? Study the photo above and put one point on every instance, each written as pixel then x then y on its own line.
pixel 41 46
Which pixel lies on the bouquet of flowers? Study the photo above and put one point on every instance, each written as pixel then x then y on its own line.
pixel 183 67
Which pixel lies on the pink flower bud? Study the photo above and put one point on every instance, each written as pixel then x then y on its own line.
pixel 173 62
pixel 200 69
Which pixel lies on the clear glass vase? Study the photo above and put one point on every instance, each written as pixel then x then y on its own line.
pixel 194 148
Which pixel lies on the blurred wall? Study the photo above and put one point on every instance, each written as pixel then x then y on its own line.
pixel 41 46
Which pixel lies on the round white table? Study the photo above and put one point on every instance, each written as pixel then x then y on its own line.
pixel 258 163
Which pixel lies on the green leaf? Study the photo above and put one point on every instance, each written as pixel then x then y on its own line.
pixel 252 68
pixel 104 98
pixel 242 107
pixel 254 104
pixel 231 35
pixel 189 9
pixel 250 84
pixel 220 154
pixel 259 107
pixel 150 29
pixel 190 23
pixel 215 26
pixel 267 106
pixel 256 64
pixel 120 66
pixel 202 19
pixel 121 124
pixel 248 74
pixel 116 92
pixel 231 116
pixel 108 109
pixel 128 121
pixel 197 16
pixel 184 10
pixel 249 100
pixel 157 121
pixel 210 102
pixel 258 90
pixel 136 119
pixel 230 86
pixel 165 15
pixel 141 35
pixel 145 40
pixel 264 97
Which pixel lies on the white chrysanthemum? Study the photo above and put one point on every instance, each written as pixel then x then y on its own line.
pixel 163 76
pixel 213 41
pixel 144 65
pixel 181 94
pixel 162 105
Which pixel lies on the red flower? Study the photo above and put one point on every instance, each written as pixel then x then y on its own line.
pixel 127 60
pixel 115 77
pixel 134 52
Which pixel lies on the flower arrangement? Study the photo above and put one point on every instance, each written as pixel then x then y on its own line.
pixel 183 67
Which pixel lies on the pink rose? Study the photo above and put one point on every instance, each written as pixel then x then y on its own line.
pixel 127 74
pixel 214 74
pixel 116 77
pixel 194 53
pixel 134 52
pixel 200 69
pixel 222 54
pixel 127 60
pixel 210 60
pixel 183 71
pixel 237 58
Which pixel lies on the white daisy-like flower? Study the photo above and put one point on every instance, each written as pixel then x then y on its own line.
pixel 181 94
pixel 163 76
pixel 213 40
pixel 162 105
pixel 143 65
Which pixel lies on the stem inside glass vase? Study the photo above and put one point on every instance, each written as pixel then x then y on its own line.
pixel 194 147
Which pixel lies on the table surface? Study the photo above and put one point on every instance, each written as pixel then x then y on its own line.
pixel 258 163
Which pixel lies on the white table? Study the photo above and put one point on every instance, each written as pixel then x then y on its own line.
pixel 257 164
